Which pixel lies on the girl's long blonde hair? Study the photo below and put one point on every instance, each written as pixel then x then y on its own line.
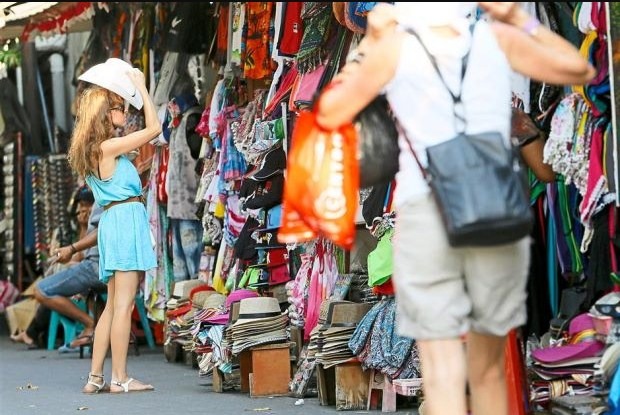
pixel 93 125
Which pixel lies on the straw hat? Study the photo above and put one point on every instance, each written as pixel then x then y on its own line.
pixel 258 308
pixel 346 313
pixel 214 300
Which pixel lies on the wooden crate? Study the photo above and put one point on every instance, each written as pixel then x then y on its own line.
pixel 351 387
pixel 326 384
pixel 266 370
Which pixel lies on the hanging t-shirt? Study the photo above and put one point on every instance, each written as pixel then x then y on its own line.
pixel 191 28
pixel 291 30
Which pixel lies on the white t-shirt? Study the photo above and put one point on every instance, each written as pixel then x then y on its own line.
pixel 424 107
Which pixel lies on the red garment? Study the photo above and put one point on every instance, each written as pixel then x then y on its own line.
pixel 162 172
pixel 292 29
pixel 387 288
pixel 222 34
pixel 597 182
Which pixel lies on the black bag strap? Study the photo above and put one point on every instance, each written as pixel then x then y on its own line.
pixel 456 99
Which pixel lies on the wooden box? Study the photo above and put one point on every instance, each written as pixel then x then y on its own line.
pixel 351 387
pixel 266 370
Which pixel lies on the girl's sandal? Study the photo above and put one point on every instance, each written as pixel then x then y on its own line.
pixel 93 387
pixel 141 387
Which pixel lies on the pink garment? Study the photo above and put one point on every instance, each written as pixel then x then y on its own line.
pixel 315 295
pixel 597 182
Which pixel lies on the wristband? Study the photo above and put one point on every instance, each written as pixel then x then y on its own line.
pixel 73 250
pixel 531 26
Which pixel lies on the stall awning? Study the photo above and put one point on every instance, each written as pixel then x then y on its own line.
pixel 28 19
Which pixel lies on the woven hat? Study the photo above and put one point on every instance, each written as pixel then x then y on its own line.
pixel 344 315
pixel 326 305
pixel 279 337
pixel 234 312
pixel 182 289
pixel 257 309
pixel 182 292
pixel 215 300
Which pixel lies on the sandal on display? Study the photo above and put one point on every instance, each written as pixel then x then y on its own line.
pixel 136 386
pixel 93 387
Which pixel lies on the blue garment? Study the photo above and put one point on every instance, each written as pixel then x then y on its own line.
pixel 186 248
pixel 124 237
pixel 613 401
pixel 76 279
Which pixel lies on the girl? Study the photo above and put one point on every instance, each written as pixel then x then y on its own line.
pixel 123 234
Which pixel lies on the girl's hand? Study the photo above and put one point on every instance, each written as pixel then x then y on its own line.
pixel 137 77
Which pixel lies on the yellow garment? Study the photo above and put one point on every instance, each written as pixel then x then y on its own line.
pixel 218 283
pixel 584 50
pixel 220 210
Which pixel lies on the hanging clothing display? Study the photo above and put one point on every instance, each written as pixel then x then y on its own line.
pixel 229 81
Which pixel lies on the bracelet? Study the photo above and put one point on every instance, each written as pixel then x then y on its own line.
pixel 73 250
pixel 531 26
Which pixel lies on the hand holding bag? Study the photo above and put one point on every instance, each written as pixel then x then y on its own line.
pixel 478 184
pixel 321 189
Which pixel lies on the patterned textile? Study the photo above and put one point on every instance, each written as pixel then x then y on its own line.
pixel 257 60
pixel 377 345
pixel 157 287
pixel 234 165
pixel 238 10
pixel 317 18
pixel 181 180
pixel 566 149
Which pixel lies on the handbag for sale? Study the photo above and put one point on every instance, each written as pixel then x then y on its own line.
pixel 377 140
pixel 478 184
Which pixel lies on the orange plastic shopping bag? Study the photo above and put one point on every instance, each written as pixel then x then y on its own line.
pixel 322 183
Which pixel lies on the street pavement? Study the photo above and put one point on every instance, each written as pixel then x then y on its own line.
pixel 41 382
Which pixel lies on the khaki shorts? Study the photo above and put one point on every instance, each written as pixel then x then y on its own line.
pixel 444 292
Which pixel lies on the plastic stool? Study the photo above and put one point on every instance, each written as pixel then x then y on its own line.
pixel 69 327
